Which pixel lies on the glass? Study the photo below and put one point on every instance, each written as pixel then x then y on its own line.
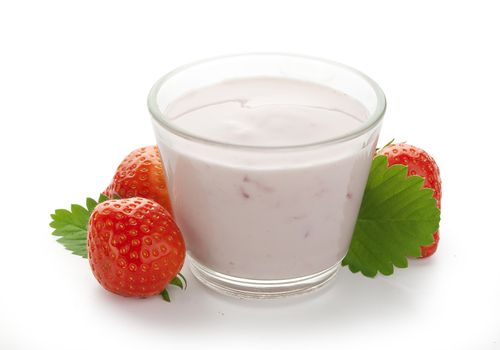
pixel 297 230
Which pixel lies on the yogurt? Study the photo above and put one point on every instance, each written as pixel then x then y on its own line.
pixel 249 202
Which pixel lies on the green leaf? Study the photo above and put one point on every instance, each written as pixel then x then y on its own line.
pixel 176 281
pixel 102 198
pixel 165 296
pixel 71 226
pixel 183 279
pixel 91 204
pixel 396 217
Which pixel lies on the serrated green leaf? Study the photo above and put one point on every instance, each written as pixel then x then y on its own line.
pixel 396 217
pixel 71 226
pixel 80 215
pixel 91 204
pixel 76 246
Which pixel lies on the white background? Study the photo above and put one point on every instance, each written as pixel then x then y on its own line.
pixel 73 83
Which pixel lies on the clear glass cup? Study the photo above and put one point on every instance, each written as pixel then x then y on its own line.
pixel 297 230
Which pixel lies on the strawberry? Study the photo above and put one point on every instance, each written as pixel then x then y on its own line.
pixel 422 164
pixel 134 247
pixel 141 174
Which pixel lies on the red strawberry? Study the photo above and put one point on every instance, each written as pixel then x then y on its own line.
pixel 422 164
pixel 141 174
pixel 134 247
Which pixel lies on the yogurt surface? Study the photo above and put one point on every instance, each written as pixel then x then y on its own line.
pixel 267 112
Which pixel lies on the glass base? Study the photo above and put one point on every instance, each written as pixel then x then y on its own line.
pixel 260 289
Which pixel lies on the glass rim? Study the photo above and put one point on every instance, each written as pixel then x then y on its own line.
pixel 373 120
